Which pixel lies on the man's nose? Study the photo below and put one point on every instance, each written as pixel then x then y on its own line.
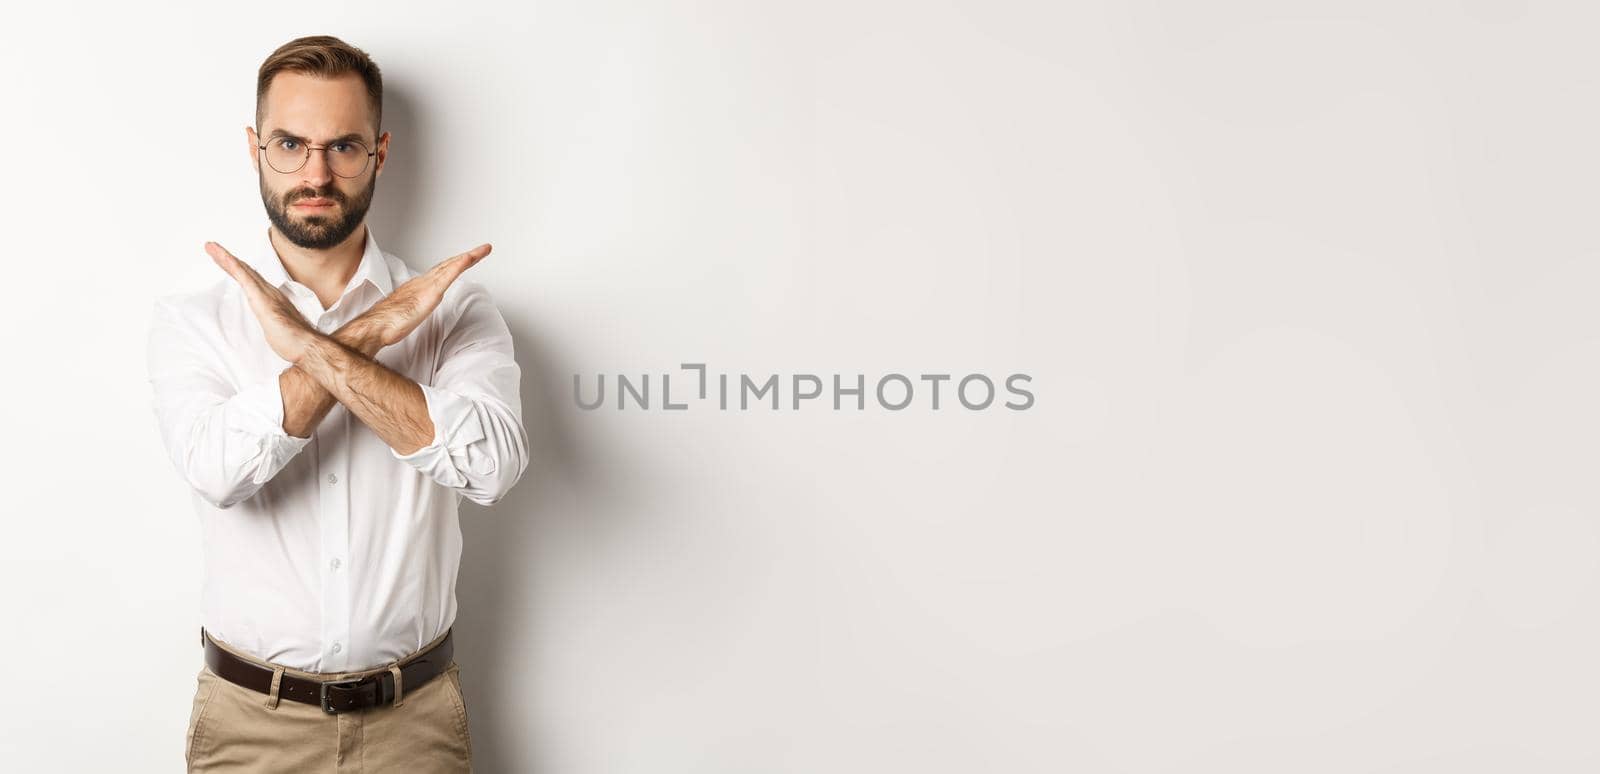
pixel 316 172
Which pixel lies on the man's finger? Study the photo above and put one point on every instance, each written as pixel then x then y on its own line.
pixel 222 258
pixel 477 253
pixel 462 261
pixel 226 260
pixel 239 270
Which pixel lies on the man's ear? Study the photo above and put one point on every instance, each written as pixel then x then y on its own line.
pixel 383 152
pixel 255 148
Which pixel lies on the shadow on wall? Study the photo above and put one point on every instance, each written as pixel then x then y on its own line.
pixel 398 200
pixel 495 591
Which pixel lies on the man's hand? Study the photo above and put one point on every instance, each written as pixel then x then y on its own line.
pixel 394 316
pixel 287 331
pixel 387 322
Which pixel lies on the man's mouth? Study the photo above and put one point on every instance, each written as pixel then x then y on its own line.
pixel 314 204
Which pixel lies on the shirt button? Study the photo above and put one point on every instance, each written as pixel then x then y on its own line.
pixel 332 479
pixel 334 564
pixel 336 647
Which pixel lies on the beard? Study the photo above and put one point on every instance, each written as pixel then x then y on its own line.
pixel 317 232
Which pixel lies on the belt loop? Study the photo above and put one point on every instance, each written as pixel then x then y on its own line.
pixel 394 669
pixel 272 696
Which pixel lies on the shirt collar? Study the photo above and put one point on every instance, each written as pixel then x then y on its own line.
pixel 373 267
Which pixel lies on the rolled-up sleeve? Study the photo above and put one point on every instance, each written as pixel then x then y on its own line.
pixel 479 446
pixel 225 441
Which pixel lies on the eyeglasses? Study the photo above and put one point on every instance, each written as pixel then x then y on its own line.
pixel 346 158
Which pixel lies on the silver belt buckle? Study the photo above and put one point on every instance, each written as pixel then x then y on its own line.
pixel 322 689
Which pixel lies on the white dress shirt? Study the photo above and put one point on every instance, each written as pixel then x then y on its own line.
pixel 332 553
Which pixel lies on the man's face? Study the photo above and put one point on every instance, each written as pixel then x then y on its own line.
pixel 314 207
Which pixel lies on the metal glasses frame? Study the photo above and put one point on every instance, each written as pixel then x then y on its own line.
pixel 307 157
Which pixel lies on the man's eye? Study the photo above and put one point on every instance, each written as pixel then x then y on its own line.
pixel 340 147
pixel 288 144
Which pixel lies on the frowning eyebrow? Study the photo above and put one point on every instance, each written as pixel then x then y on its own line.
pixel 341 138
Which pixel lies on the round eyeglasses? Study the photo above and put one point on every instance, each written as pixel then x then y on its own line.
pixel 346 158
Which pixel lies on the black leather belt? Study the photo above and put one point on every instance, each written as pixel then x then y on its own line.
pixel 333 696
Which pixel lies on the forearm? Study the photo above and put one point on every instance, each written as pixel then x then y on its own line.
pixel 391 405
pixel 305 401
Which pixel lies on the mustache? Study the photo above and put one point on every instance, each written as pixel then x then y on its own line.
pixel 305 193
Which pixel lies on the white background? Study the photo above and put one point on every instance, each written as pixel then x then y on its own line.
pixel 1305 294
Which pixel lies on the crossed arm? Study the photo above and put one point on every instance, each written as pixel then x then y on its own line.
pixel 340 368
pixel 463 429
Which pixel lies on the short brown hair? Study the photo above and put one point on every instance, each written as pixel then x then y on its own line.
pixel 324 56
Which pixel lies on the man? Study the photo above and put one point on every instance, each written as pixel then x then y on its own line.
pixel 328 406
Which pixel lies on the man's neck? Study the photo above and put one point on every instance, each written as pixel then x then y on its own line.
pixel 325 272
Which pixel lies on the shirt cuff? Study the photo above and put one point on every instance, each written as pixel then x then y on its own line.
pixel 258 411
pixel 455 428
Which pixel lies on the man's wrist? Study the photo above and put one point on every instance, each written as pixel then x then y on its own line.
pixel 309 339
pixel 361 336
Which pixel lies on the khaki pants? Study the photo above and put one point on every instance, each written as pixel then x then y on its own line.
pixel 235 729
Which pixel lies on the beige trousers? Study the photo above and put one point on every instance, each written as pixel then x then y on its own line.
pixel 235 729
